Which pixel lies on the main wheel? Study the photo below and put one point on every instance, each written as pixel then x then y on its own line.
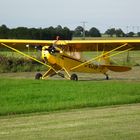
pixel 38 76
pixel 74 77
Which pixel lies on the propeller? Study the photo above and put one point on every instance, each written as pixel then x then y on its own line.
pixel 51 49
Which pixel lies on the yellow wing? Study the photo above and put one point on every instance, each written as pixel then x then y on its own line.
pixel 100 45
pixel 76 45
pixel 22 44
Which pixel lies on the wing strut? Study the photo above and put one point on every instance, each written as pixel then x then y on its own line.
pixel 28 56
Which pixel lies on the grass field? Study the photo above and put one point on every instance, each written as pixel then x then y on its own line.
pixel 103 123
pixel 19 96
pixel 62 109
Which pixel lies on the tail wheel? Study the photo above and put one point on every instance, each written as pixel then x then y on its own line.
pixel 38 76
pixel 107 77
pixel 74 77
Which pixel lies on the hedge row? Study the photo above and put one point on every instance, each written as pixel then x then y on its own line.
pixel 14 64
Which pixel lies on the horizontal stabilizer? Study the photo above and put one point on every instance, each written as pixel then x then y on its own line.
pixel 118 68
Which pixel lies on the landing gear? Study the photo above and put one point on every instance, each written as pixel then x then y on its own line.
pixel 74 77
pixel 107 77
pixel 38 76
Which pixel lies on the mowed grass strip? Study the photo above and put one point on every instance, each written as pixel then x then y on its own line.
pixel 27 96
pixel 103 123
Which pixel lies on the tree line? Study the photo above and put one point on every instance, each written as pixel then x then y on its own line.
pixel 50 33
pixel 119 33
pixel 35 33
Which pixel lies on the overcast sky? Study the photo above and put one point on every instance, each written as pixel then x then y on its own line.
pixel 102 14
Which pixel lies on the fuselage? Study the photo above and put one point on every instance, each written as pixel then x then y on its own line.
pixel 63 60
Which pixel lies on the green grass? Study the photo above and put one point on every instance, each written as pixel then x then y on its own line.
pixel 19 96
pixel 103 123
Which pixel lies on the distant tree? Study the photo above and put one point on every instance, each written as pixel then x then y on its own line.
pixel 130 34
pixel 111 32
pixel 67 34
pixel 138 34
pixel 23 33
pixel 35 33
pixel 58 31
pixel 12 34
pixel 87 33
pixel 44 34
pixel 4 31
pixel 51 33
pixel 94 32
pixel 78 32
pixel 119 33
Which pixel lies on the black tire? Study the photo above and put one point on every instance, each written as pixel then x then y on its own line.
pixel 38 76
pixel 107 77
pixel 74 77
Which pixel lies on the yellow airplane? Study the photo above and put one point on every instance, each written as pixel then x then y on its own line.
pixel 65 55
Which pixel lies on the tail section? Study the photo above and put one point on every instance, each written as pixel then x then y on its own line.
pixel 117 68
pixel 106 59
